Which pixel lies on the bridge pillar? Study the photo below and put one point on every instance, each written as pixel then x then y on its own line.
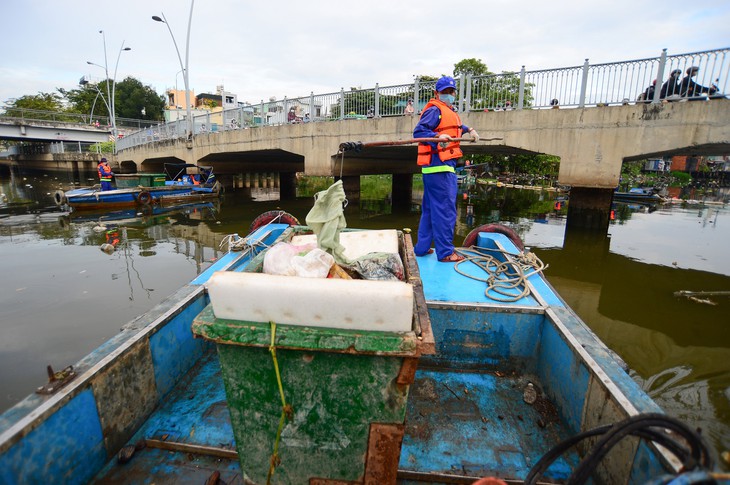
pixel 287 185
pixel 589 208
pixel 402 190
pixel 351 184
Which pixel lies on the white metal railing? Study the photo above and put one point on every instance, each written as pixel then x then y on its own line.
pixel 577 86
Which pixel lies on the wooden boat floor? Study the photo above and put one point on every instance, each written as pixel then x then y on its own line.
pixel 458 423
pixel 194 413
pixel 477 424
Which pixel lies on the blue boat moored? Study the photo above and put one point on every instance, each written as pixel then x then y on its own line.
pixel 447 374
pixel 176 187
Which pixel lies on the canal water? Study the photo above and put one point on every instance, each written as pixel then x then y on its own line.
pixel 61 296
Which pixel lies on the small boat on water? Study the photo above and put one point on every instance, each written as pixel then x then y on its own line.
pixel 180 184
pixel 639 195
pixel 435 373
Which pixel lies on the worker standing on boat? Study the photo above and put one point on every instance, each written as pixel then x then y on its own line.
pixel 438 162
pixel 105 174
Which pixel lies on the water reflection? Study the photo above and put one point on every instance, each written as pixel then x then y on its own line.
pixel 65 297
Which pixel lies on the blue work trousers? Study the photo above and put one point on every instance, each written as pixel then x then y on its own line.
pixel 438 214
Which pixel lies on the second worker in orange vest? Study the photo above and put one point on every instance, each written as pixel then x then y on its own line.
pixel 437 162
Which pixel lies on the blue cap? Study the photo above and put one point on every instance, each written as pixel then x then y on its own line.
pixel 102 160
pixel 445 82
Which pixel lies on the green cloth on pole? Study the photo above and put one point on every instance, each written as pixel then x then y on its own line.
pixel 327 219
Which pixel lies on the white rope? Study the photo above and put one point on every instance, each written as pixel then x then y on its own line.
pixel 503 277
pixel 234 242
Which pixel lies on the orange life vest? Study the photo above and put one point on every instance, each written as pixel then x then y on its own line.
pixel 105 172
pixel 449 124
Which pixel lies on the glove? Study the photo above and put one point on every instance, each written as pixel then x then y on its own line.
pixel 474 135
pixel 446 138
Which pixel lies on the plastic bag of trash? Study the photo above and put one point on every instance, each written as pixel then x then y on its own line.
pixel 278 259
pixel 379 266
pixel 315 264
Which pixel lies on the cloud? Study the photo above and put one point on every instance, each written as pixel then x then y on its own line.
pixel 289 48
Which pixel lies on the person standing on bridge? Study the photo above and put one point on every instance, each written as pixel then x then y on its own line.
pixel 105 174
pixel 439 119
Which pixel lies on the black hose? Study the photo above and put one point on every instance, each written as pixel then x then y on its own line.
pixel 640 426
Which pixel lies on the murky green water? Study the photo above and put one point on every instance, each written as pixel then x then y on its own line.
pixel 61 297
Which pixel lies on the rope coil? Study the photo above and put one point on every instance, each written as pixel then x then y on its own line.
pixel 504 277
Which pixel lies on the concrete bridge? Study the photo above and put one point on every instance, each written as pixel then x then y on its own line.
pixel 20 129
pixel 592 143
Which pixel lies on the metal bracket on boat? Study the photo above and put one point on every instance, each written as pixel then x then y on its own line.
pixel 56 380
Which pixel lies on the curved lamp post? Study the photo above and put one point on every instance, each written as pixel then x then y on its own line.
pixel 110 93
pixel 84 82
pixel 114 90
pixel 184 67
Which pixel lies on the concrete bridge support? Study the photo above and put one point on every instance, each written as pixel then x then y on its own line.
pixel 589 208
pixel 287 185
pixel 402 190
pixel 351 184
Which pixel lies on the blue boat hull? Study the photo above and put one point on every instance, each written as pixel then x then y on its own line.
pixel 95 199
pixel 155 384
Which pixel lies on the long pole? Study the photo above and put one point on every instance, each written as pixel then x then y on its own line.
pixel 357 145
pixel 184 67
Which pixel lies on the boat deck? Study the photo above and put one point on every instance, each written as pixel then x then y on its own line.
pixel 475 425
pixel 195 413
pixel 442 283
pixel 453 421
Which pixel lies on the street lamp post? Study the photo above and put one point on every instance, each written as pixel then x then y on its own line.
pixel 114 90
pixel 185 71
pixel 84 82
pixel 110 93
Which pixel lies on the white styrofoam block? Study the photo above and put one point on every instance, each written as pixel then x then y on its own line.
pixel 313 302
pixel 359 243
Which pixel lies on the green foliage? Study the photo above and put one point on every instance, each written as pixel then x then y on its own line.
pixel 132 96
pixel 376 186
pixel 632 168
pixel 307 186
pixel 680 179
pixel 106 147
pixel 539 164
pixel 40 101
pixel 470 67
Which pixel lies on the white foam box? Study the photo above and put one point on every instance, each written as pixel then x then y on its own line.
pixel 313 302
pixel 359 243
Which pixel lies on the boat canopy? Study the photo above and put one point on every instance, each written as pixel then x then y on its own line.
pixel 175 171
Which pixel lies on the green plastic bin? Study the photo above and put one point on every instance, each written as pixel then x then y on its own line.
pixel 347 389
pixel 126 180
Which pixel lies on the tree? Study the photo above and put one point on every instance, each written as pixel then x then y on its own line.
pixel 130 95
pixel 86 98
pixel 41 101
pixel 137 101
pixel 471 67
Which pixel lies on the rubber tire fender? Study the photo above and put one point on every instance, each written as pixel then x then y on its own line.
pixel 277 215
pixel 471 238
pixel 144 198
pixel 59 197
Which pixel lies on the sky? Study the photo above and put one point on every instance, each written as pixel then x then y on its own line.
pixel 276 48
